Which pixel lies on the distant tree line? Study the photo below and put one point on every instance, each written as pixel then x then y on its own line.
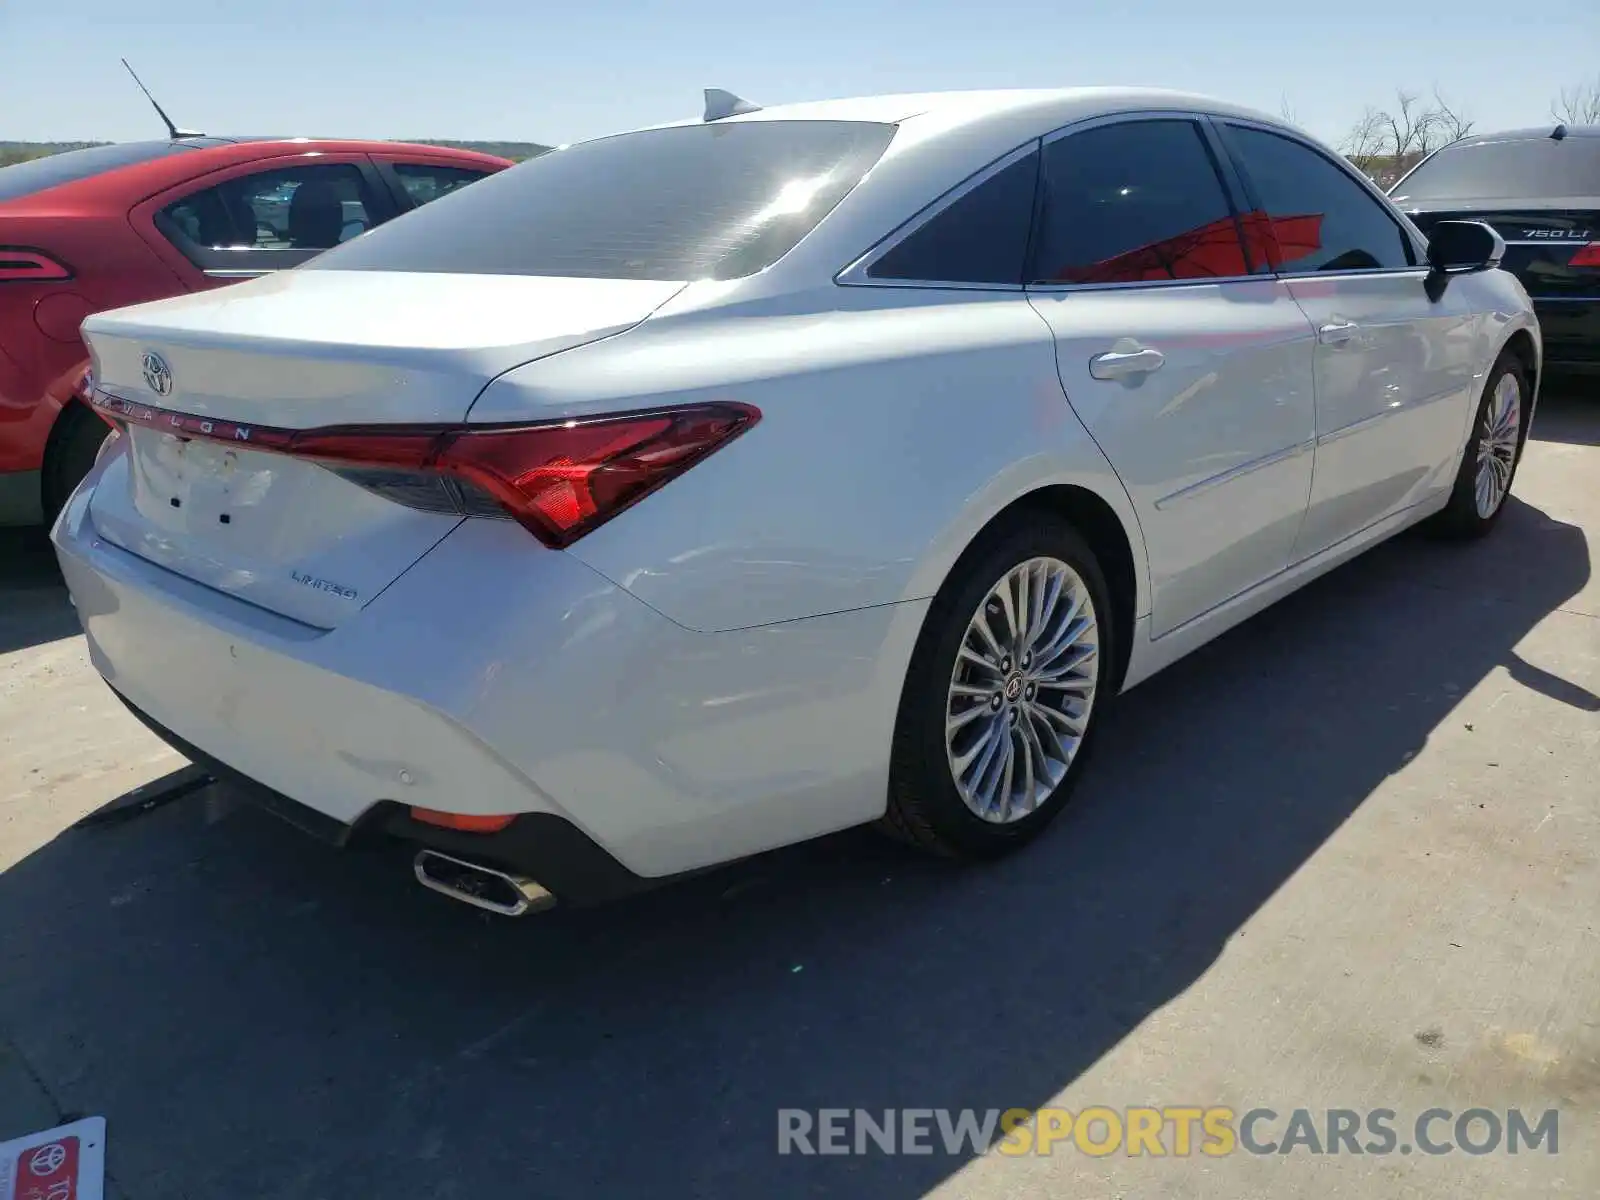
pixel 15 152
pixel 515 151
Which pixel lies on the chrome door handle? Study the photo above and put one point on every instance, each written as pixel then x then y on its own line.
pixel 1338 333
pixel 1119 364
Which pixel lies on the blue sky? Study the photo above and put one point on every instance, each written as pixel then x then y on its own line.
pixel 505 69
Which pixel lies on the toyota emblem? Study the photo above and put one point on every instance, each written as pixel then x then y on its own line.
pixel 156 373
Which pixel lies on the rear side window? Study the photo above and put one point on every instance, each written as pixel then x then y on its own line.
pixel 1135 202
pixel 38 174
pixel 713 201
pixel 294 208
pixel 1523 169
pixel 1320 218
pixel 981 237
pixel 424 183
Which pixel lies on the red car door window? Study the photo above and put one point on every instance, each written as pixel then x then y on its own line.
pixel 265 216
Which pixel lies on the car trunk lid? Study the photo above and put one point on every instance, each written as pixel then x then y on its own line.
pixel 209 389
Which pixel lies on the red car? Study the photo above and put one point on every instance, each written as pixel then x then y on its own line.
pixel 107 226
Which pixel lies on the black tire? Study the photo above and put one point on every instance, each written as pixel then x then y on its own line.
pixel 925 807
pixel 73 446
pixel 1460 517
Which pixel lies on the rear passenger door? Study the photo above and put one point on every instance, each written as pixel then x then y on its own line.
pixel 1189 365
pixel 264 216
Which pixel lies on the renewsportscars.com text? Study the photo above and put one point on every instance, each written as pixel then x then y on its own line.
pixel 1174 1131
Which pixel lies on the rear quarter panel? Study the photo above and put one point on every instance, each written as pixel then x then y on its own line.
pixel 895 424
pixel 40 323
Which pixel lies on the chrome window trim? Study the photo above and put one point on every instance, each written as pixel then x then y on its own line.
pixel 1421 272
pixel 1044 289
pixel 1128 118
pixel 855 274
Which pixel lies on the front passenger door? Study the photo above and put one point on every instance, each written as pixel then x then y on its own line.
pixel 1394 366
pixel 1192 372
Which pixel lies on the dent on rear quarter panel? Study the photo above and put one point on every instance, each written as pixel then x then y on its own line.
pixel 894 425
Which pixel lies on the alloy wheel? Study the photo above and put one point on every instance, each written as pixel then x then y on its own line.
pixel 1497 448
pixel 1022 690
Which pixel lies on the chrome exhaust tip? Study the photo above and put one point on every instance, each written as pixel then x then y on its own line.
pixel 480 886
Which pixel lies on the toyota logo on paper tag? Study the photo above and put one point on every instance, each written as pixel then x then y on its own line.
pixel 67 1163
pixel 49 1160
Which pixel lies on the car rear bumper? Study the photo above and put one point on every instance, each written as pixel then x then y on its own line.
pixel 534 688
pixel 541 846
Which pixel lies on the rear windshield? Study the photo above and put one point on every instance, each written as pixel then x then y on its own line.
pixel 1532 168
pixel 715 201
pixel 37 174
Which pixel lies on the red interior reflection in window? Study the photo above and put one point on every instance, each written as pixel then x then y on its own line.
pixel 1209 252
pixel 1281 240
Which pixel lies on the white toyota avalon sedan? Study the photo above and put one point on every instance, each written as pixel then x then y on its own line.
pixel 689 492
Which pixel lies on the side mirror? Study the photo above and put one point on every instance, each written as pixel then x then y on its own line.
pixel 1462 247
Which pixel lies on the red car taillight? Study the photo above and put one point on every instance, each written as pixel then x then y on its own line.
pixel 1587 256
pixel 19 265
pixel 560 479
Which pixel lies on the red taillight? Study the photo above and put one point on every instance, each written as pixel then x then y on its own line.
pixel 1587 256
pixel 560 479
pixel 19 265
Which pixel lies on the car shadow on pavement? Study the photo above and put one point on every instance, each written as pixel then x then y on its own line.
pixel 34 608
pixel 259 1016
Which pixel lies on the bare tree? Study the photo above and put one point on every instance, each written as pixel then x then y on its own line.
pixel 1450 125
pixel 1368 138
pixel 1405 125
pixel 1286 109
pixel 1578 105
pixel 1386 142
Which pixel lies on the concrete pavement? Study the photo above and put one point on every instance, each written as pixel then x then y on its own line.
pixel 1347 856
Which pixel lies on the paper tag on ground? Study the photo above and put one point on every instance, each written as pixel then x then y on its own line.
pixel 65 1163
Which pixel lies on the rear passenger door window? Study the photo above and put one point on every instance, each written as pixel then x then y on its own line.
pixel 1312 215
pixel 1134 202
pixel 980 237
pixel 268 220
pixel 422 183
